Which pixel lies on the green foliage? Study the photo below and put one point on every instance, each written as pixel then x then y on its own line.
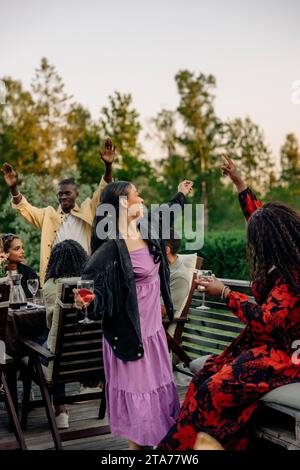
pixel 244 141
pixel 289 194
pixel 290 160
pixel 120 121
pixel 224 209
pixel 201 127
pixel 84 138
pixel 225 253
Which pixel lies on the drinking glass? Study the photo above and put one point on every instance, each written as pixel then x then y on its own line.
pixel 203 275
pixel 85 290
pixel 33 285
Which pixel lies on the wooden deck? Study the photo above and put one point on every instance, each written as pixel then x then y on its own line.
pixel 82 415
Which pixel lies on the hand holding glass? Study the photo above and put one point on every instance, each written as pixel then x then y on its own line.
pixel 33 285
pixel 203 275
pixel 86 293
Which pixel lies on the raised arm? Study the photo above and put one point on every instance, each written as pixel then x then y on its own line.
pixel 164 216
pixel 107 156
pixel 248 201
pixel 270 315
pixel 12 181
pixel 262 319
pixel 33 215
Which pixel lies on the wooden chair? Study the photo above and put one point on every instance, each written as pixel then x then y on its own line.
pixel 75 355
pixel 175 341
pixel 5 362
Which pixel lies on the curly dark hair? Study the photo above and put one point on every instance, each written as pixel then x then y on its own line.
pixel 274 240
pixel 67 259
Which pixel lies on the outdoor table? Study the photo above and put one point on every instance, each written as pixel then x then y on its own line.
pixel 23 323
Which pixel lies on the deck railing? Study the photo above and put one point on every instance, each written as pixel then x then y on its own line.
pixel 211 330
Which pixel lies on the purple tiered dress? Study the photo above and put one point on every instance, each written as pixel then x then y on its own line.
pixel 142 399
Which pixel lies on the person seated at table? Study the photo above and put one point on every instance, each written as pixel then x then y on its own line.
pixel 180 278
pixel 67 259
pixel 13 247
pixel 224 394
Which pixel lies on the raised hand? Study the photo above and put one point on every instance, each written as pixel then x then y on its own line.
pixel 109 153
pixel 185 187
pixel 10 175
pixel 230 169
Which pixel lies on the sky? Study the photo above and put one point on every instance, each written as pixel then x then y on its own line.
pixel 137 47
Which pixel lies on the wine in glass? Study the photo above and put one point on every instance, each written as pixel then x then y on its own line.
pixel 86 292
pixel 33 285
pixel 203 275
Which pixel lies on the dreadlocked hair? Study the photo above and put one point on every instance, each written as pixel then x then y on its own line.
pixel 67 259
pixel 274 240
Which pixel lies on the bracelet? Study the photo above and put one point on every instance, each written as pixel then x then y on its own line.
pixel 223 292
pixel 17 195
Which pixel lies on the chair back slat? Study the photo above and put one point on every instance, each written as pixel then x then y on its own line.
pixel 79 346
pixel 211 330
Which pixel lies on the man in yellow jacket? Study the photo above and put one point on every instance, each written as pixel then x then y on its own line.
pixel 69 221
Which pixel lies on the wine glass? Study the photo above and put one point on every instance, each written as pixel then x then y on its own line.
pixel 85 290
pixel 203 275
pixel 33 285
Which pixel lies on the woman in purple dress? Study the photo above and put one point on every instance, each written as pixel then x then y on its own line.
pixel 130 271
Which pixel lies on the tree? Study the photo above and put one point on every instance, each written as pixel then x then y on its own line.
pixel 120 121
pixel 200 135
pixel 83 137
pixel 52 106
pixel 290 160
pixel 201 125
pixel 244 141
pixel 174 164
pixel 18 125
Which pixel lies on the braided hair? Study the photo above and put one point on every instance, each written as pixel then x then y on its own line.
pixel 274 240
pixel 67 259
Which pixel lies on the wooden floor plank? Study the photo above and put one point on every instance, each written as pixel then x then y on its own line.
pixel 82 416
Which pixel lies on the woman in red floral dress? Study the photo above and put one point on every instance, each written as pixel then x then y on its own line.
pixel 222 397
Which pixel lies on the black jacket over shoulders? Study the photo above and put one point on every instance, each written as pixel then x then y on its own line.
pixel 116 302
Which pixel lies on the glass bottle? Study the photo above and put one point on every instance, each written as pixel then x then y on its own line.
pixel 17 298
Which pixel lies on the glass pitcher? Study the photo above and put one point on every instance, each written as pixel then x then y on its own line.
pixel 17 298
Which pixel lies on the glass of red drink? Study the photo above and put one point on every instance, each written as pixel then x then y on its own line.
pixel 86 292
